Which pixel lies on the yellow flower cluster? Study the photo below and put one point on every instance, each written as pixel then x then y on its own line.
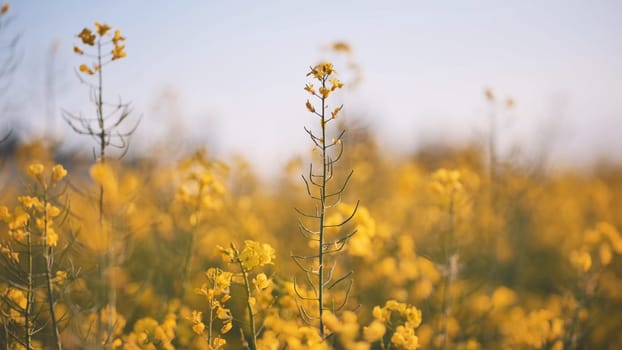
pixel 35 209
pixel 216 291
pixel 322 73
pixel 149 334
pixel 91 37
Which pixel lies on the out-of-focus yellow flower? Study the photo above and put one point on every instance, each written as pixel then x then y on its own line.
pixel 58 173
pixel 61 277
pixel 103 174
pixel 35 170
pixel 51 237
pixel 341 46
pixel 117 37
pixel 336 84
pixel 117 52
pixel 87 36
pixel 261 282
pixel 78 50
pixel 86 69
pixel 581 259
pixel 101 29
pixel 29 202
pixel 5 8
pixel 489 95
pixel 374 332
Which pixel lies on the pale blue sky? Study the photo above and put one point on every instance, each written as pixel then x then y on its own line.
pixel 238 68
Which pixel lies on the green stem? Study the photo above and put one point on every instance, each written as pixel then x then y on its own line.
pixel 251 317
pixel 48 254
pixel 29 294
pixel 322 216
pixel 104 259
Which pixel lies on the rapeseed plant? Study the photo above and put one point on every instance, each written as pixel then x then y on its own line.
pixel 105 129
pixel 319 271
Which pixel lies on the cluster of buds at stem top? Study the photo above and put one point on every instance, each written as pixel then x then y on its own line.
pixel 100 37
pixel 324 74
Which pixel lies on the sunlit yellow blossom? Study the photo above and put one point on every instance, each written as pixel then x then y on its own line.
pixel 58 172
pixel 87 36
pixel 51 238
pixel 117 52
pixel 256 254
pixel 322 71
pixel 35 170
pixel 30 202
pixel 374 332
pixel 5 8
pixel 218 343
pixel 117 37
pixel 226 327
pixel 336 84
pixel 261 281
pixel 101 29
pixel 78 50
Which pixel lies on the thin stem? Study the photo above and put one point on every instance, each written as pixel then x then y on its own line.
pixel 48 254
pixel 103 260
pixel 29 294
pixel 251 317
pixel 322 216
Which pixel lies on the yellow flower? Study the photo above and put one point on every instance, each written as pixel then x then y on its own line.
pixel 226 327
pixel 117 37
pixel 261 281
pixel 4 9
pixel 374 332
pixel 341 46
pixel 309 87
pixel 198 328
pixel 336 84
pixel 29 202
pixel 78 50
pixel 87 37
pixel 85 69
pixel 489 95
pixel 118 52
pixel 310 107
pixel 324 92
pixel 52 237
pixel 61 277
pixel 58 173
pixel 35 170
pixel 256 254
pixel 322 71
pixel 101 29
